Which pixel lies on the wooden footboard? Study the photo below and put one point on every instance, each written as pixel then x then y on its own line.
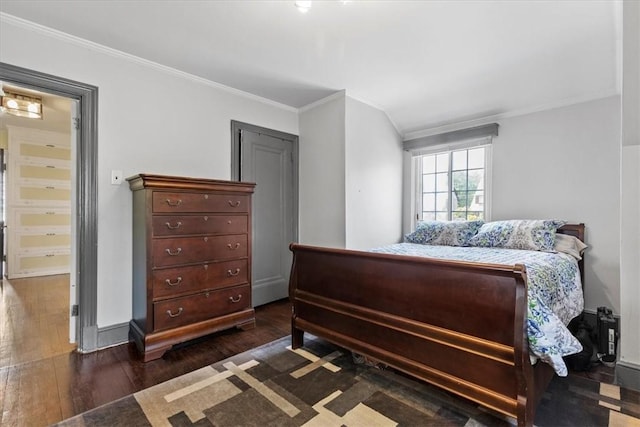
pixel 458 325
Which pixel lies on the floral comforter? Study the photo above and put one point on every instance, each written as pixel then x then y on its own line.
pixel 554 292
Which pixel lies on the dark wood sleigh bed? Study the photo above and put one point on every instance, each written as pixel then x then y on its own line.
pixel 458 325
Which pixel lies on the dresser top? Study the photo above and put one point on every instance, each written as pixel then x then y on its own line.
pixel 165 182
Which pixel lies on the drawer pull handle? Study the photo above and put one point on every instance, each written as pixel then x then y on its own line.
pixel 177 252
pixel 176 283
pixel 233 273
pixel 235 300
pixel 233 248
pixel 173 227
pixel 175 315
pixel 172 203
pixel 234 204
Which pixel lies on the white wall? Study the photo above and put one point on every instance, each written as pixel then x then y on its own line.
pixel 565 163
pixel 630 189
pixel 351 175
pixel 373 178
pixel 322 172
pixel 151 120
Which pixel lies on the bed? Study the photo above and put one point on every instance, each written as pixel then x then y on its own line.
pixel 461 325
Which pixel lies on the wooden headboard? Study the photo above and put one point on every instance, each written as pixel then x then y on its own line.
pixel 576 230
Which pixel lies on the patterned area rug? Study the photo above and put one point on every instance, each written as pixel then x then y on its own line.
pixel 320 385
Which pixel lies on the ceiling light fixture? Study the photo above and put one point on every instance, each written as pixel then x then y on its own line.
pixel 22 105
pixel 303 6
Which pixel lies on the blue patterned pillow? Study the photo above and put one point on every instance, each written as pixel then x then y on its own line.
pixel 448 233
pixel 534 235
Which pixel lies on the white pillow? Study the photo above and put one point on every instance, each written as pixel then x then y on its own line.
pixel 570 245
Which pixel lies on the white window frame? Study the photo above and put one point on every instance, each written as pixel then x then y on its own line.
pixel 437 143
pixel 416 171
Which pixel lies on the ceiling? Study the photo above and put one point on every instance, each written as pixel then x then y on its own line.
pixel 427 64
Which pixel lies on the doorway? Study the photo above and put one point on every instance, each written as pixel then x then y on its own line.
pixel 85 236
pixel 36 206
pixel 270 159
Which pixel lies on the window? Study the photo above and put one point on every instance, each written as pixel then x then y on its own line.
pixel 450 175
pixel 452 185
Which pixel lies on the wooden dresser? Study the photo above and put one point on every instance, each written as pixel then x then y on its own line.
pixel 191 259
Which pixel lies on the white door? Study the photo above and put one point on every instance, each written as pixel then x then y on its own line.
pixel 268 161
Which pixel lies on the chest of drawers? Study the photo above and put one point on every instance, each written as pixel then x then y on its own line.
pixel 191 259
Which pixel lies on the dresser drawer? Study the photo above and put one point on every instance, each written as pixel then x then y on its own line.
pixel 38 217
pixel 29 241
pixel 42 195
pixel 172 225
pixel 195 308
pixel 188 250
pixel 45 152
pixel 165 202
pixel 47 173
pixel 172 281
pixel 27 264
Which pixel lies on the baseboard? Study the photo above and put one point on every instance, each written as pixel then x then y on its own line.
pixel 628 375
pixel 113 335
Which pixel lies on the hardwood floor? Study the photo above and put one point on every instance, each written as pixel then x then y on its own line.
pixel 34 319
pixel 43 380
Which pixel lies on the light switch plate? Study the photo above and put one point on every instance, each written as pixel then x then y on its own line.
pixel 116 177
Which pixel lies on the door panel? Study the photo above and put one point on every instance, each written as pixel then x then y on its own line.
pixel 267 161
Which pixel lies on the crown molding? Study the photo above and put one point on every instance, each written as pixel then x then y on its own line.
pixel 339 94
pixel 50 32
pixel 343 93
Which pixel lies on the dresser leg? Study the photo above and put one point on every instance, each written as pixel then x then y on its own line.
pixel 247 325
pixel 155 354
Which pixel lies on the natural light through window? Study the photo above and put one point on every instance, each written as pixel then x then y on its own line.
pixel 452 185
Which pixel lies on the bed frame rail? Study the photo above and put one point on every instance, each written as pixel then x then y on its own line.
pixel 468 336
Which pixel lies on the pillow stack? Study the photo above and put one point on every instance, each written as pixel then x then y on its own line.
pixel 527 234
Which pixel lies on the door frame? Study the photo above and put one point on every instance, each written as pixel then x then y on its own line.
pixel 236 136
pixel 86 190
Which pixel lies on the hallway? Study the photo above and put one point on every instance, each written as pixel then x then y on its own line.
pixel 34 319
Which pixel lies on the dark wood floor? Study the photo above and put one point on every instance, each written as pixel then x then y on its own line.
pixel 45 391
pixel 58 384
